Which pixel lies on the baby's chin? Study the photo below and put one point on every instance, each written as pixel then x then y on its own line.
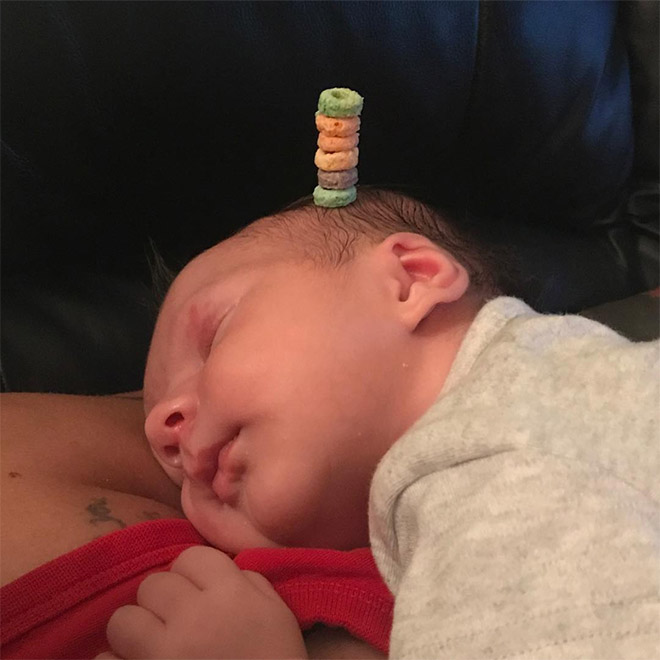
pixel 224 526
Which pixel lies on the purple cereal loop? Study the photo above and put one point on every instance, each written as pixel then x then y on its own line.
pixel 338 180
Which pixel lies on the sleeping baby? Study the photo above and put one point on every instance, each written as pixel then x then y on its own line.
pixel 337 378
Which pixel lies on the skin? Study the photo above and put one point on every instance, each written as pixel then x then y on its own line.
pixel 353 357
pixel 272 391
pixel 273 388
pixel 99 477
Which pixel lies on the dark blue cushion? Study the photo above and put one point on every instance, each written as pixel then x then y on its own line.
pixel 180 122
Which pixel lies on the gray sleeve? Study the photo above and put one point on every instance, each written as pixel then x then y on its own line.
pixel 523 555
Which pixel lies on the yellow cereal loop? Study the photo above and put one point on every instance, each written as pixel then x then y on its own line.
pixel 330 143
pixel 339 160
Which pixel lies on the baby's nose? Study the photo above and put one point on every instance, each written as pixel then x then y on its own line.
pixel 168 425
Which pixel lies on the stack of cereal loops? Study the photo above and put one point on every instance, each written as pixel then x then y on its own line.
pixel 338 122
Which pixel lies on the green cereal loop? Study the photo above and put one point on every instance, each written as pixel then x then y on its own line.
pixel 340 102
pixel 334 198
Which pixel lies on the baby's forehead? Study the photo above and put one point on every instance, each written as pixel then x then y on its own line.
pixel 248 251
pixel 219 261
pixel 268 241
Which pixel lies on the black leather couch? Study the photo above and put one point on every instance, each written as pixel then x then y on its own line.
pixel 127 125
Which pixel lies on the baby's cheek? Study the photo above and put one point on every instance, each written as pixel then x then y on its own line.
pixel 285 503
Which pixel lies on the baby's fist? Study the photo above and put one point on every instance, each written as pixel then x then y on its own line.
pixel 205 607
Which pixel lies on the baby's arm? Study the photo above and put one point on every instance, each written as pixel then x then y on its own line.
pixel 205 607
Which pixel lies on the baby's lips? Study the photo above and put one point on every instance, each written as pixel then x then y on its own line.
pixel 225 486
pixel 202 463
pixel 228 463
pixel 229 472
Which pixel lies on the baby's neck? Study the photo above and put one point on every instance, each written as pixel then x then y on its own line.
pixel 438 340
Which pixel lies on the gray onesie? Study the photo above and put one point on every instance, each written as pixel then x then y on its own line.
pixel 519 517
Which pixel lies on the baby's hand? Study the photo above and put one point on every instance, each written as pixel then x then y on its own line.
pixel 205 607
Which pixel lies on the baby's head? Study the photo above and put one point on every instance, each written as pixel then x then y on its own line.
pixel 287 359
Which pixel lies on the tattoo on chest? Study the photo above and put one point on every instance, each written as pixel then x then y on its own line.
pixel 101 511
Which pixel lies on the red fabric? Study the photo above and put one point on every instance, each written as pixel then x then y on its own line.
pixel 328 586
pixel 60 609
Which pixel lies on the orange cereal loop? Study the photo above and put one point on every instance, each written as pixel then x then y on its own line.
pixel 337 126
pixel 330 143
pixel 339 160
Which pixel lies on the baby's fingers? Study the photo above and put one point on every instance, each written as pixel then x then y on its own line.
pixel 205 566
pixel 165 594
pixel 134 632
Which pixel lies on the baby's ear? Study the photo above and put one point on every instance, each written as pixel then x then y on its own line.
pixel 421 274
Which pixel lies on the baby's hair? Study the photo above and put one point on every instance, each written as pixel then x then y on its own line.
pixel 332 236
pixel 162 275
